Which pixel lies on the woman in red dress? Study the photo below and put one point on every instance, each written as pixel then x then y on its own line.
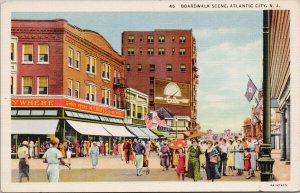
pixel 247 163
pixel 126 149
pixel 103 148
pixel 115 148
pixel 77 148
pixel 181 163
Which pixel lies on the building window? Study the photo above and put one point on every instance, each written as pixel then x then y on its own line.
pixel 130 39
pixel 91 64
pixel 71 57
pixel 119 102
pixel 141 38
pixel 151 103
pixel 133 110
pixel 169 78
pixel 173 39
pixel 43 53
pixel 173 50
pixel 161 39
pixel 128 67
pixel 28 53
pixel 77 61
pixel 182 67
pixel 90 90
pixel 182 39
pixel 105 92
pixel 140 112
pixel 152 67
pixel 161 51
pixel 43 85
pixel 128 109
pixel 141 50
pixel 169 67
pixel 139 67
pixel 151 80
pixel 12 51
pixel 70 87
pixel 150 39
pixel 105 71
pixel 151 51
pixel 130 51
pixel 27 85
pixel 77 89
pixel 182 52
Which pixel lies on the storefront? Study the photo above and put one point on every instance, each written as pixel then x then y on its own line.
pixel 37 119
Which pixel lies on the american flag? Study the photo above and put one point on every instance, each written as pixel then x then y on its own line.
pixel 148 120
pixel 160 122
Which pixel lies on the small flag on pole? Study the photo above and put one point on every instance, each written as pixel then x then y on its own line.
pixel 251 90
pixel 148 120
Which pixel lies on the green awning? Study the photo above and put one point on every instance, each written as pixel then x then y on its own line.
pixel 162 134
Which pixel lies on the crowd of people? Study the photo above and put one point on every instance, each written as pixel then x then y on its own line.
pixel 217 158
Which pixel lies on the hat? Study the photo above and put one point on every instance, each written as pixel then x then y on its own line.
pixel 94 142
pixel 194 140
pixel 25 143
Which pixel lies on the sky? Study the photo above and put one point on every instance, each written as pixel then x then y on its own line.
pixel 229 48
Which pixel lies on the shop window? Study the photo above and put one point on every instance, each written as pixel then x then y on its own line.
pixel 182 52
pixel 71 57
pixel 105 71
pixel 77 89
pixel 152 67
pixel 43 53
pixel 77 61
pixel 91 65
pixel 130 51
pixel 182 39
pixel 161 51
pixel 70 87
pixel 43 85
pixel 161 39
pixel 182 67
pixel 150 39
pixel 169 67
pixel 130 39
pixel 139 67
pixel 150 51
pixel 28 53
pixel 27 85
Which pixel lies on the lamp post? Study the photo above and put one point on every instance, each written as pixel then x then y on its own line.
pixel 176 127
pixel 265 161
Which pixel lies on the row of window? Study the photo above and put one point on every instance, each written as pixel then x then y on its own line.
pixel 169 67
pixel 27 57
pixel 160 51
pixel 160 39
pixel 135 111
pixel 73 90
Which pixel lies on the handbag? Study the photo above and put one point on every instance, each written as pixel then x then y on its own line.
pixel 213 159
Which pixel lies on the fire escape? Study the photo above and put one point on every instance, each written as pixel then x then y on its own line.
pixel 120 89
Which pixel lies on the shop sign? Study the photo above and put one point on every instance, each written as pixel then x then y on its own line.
pixel 173 93
pixel 30 102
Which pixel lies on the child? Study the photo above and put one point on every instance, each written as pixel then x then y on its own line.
pixel 247 164
pixel 181 163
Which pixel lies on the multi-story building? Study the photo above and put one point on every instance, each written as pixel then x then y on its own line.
pixel 13 66
pixel 163 55
pixel 69 80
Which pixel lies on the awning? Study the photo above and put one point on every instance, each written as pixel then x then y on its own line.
pixel 137 132
pixel 34 126
pixel 156 132
pixel 86 128
pixel 117 130
pixel 148 132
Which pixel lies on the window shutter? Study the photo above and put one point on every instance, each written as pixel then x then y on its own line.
pixel 43 49
pixel 43 81
pixel 28 49
pixel 27 81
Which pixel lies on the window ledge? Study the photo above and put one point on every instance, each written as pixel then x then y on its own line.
pixel 105 79
pixel 27 63
pixel 90 74
pixel 43 63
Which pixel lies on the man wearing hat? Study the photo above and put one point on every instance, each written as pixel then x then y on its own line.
pixel 94 152
pixel 23 162
pixel 139 156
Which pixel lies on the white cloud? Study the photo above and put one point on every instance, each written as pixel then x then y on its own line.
pixel 221 31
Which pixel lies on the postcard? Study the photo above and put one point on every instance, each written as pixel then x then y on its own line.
pixel 149 96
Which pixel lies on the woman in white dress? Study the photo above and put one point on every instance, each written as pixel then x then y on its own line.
pixel 54 157
pixel 239 158
pixel 31 149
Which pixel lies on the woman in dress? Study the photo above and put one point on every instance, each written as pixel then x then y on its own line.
pixel 238 158
pixel 69 151
pixel 94 152
pixel 77 150
pixel 193 161
pixel 230 160
pixel 36 149
pixel 148 149
pixel 106 148
pixel 131 155
pixel 211 155
pixel 203 148
pixel 54 157
pixel 31 149
pixel 115 152
pixel 84 149
pixel 180 170
pixel 251 146
pixel 126 149
pixel 88 147
pixel 103 148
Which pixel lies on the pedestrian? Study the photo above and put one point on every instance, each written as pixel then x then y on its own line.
pixel 122 149
pixel 148 148
pixel 88 147
pixel 230 160
pixel 23 161
pixel 61 148
pixel 94 152
pixel 180 170
pixel 224 155
pixel 238 158
pixel 31 149
pixel 115 151
pixel 85 149
pixel 106 148
pixel 103 148
pixel 36 149
pixel 244 143
pixel 217 147
pixel 139 150
pixel 135 141
pixel 203 148
pixel 247 162
pixel 81 148
pixel 157 145
pixel 131 154
pixel 69 151
pixel 54 157
pixel 165 156
pixel 126 149
pixel 251 146
pixel 174 159
pixel 211 155
pixel 193 161
pixel 77 148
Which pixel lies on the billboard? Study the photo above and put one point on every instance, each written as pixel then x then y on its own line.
pixel 171 93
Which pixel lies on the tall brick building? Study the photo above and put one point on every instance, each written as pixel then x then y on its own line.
pixel 161 55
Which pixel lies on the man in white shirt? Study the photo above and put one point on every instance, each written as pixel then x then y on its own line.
pixel 224 156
